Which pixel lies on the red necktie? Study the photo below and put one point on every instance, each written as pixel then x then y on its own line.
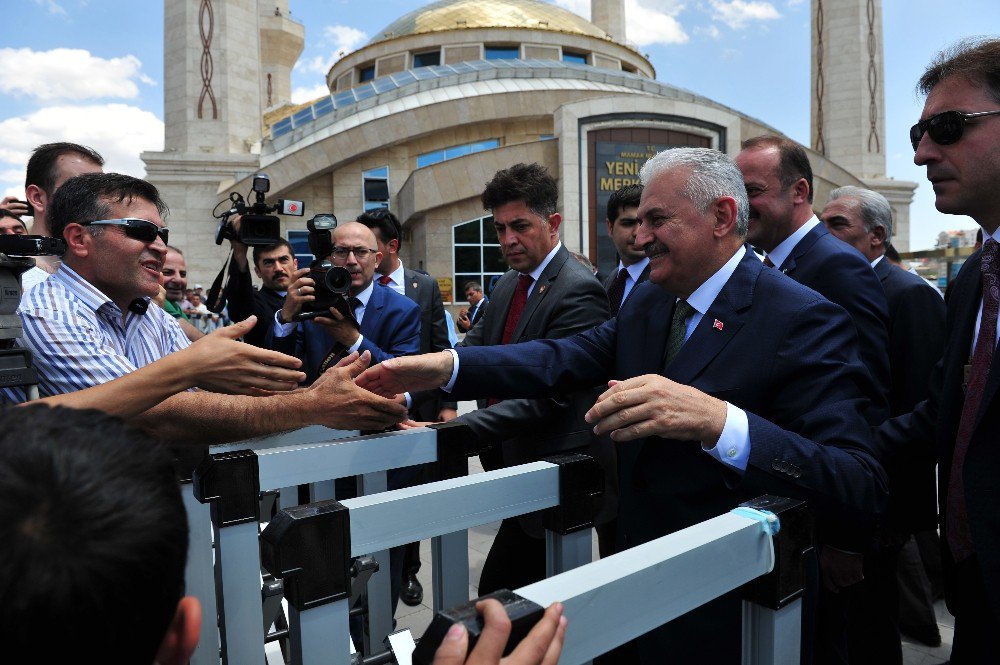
pixel 957 525
pixel 524 282
pixel 384 280
pixel 768 262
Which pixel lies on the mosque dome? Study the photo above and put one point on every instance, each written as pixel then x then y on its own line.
pixel 467 14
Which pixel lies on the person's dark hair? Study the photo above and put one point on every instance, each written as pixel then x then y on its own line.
pixel 530 183
pixel 793 163
pixel 41 170
pixel 387 224
pixel 892 253
pixel 475 286
pixel 977 59
pixel 94 537
pixel 89 197
pixel 626 197
pixel 258 251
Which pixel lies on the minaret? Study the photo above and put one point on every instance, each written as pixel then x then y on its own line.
pixel 848 100
pixel 609 16
pixel 281 42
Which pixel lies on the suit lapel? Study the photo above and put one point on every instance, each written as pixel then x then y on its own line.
pixel 720 323
pixel 411 287
pixel 883 269
pixel 539 291
pixel 373 312
pixel 788 266
pixel 503 293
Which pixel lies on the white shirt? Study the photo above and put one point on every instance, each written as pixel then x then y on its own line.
pixel 634 273
pixel 781 252
pixel 397 279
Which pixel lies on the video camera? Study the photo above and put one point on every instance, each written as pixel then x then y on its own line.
pixel 332 282
pixel 15 253
pixel 258 228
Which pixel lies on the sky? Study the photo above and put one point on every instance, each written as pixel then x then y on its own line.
pixel 91 71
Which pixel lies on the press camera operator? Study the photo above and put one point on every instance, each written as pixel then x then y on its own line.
pixel 274 265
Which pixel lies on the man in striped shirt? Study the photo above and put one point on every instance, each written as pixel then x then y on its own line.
pixel 90 323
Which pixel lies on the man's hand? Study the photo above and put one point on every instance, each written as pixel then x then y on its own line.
pixel 300 292
pixel 340 327
pixel 239 249
pixel 409 373
pixel 223 365
pixel 651 405
pixel 13 206
pixel 338 403
pixel 840 569
pixel 541 646
pixel 447 415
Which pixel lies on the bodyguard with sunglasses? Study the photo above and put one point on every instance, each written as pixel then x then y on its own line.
pixel 90 323
pixel 958 140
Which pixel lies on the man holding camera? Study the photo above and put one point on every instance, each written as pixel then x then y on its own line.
pixel 384 323
pixel 91 323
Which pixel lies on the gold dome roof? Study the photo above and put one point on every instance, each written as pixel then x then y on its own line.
pixel 466 14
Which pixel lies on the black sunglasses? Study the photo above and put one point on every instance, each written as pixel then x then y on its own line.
pixel 139 229
pixel 944 128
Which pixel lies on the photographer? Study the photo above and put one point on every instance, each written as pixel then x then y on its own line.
pixel 389 322
pixel 274 265
pixel 11 224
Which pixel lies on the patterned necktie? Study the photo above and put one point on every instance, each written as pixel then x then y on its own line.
pixel 678 326
pixel 384 280
pixel 524 283
pixel 617 291
pixel 957 526
pixel 768 262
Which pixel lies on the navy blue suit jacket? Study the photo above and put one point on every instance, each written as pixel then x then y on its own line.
pixel 842 275
pixel 391 327
pixel 784 354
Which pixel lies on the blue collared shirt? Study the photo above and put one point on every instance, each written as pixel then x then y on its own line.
pixel 77 337
pixel 634 272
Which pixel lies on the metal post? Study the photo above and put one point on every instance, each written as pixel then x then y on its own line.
pixel 319 636
pixel 199 576
pixel 450 552
pixel 568 526
pixel 567 551
pixel 772 636
pixel 379 590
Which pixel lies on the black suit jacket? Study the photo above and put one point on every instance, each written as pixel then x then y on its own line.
pixel 844 276
pixel 243 300
pixel 932 427
pixel 643 276
pixel 566 299
pixel 916 342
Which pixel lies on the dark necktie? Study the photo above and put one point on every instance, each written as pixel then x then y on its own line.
pixel 384 280
pixel 675 340
pixel 768 262
pixel 617 291
pixel 957 527
pixel 524 283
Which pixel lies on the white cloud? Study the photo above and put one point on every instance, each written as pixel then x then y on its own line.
pixel 654 22
pixel 337 41
pixel 710 31
pixel 64 73
pixel 738 13
pixel 118 131
pixel 309 93
pixel 52 7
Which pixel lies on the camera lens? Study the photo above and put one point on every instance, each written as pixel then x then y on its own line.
pixel 338 279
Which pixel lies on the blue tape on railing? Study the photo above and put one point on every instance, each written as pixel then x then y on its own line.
pixel 769 520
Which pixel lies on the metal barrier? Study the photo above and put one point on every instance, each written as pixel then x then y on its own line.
pixel 310 547
pixel 614 600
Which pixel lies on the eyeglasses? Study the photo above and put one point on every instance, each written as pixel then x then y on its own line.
pixel 139 229
pixel 944 128
pixel 360 253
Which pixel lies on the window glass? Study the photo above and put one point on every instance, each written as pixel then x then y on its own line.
pixel 501 52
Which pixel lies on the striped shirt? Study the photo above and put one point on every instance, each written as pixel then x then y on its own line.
pixel 77 340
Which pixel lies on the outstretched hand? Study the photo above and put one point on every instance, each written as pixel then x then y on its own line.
pixel 409 373
pixel 541 646
pixel 339 403
pixel 223 365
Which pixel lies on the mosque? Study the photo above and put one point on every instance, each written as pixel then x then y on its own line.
pixel 419 118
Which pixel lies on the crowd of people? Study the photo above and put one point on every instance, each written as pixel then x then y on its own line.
pixel 744 345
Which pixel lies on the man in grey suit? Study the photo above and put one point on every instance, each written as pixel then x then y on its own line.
pixel 633 264
pixel 546 295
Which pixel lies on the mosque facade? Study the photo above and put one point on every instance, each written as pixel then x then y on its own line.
pixel 421 117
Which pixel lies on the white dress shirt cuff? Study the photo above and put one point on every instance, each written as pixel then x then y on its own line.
pixel 354 347
pixel 454 372
pixel 283 329
pixel 733 446
pixel 409 401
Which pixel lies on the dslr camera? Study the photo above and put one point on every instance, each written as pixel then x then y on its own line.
pixel 258 227
pixel 333 283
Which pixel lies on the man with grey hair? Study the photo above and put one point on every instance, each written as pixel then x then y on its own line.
pixel 863 219
pixel 727 381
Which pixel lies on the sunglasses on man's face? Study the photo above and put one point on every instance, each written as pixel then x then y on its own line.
pixel 138 229
pixel 944 128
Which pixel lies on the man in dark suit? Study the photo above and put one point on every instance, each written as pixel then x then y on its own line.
pixel 546 294
pixel 422 289
pixel 275 266
pixel 960 421
pixel 477 306
pixel 390 323
pixel 729 381
pixel 633 264
pixel 863 219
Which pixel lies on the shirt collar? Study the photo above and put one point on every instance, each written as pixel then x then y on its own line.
pixel 635 270
pixel 366 294
pixel 877 259
pixel 537 272
pixel 781 252
pixel 705 295
pixel 89 294
pixel 397 276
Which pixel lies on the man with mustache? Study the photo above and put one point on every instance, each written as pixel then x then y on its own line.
pixel 274 265
pixel 727 381
pixel 91 322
